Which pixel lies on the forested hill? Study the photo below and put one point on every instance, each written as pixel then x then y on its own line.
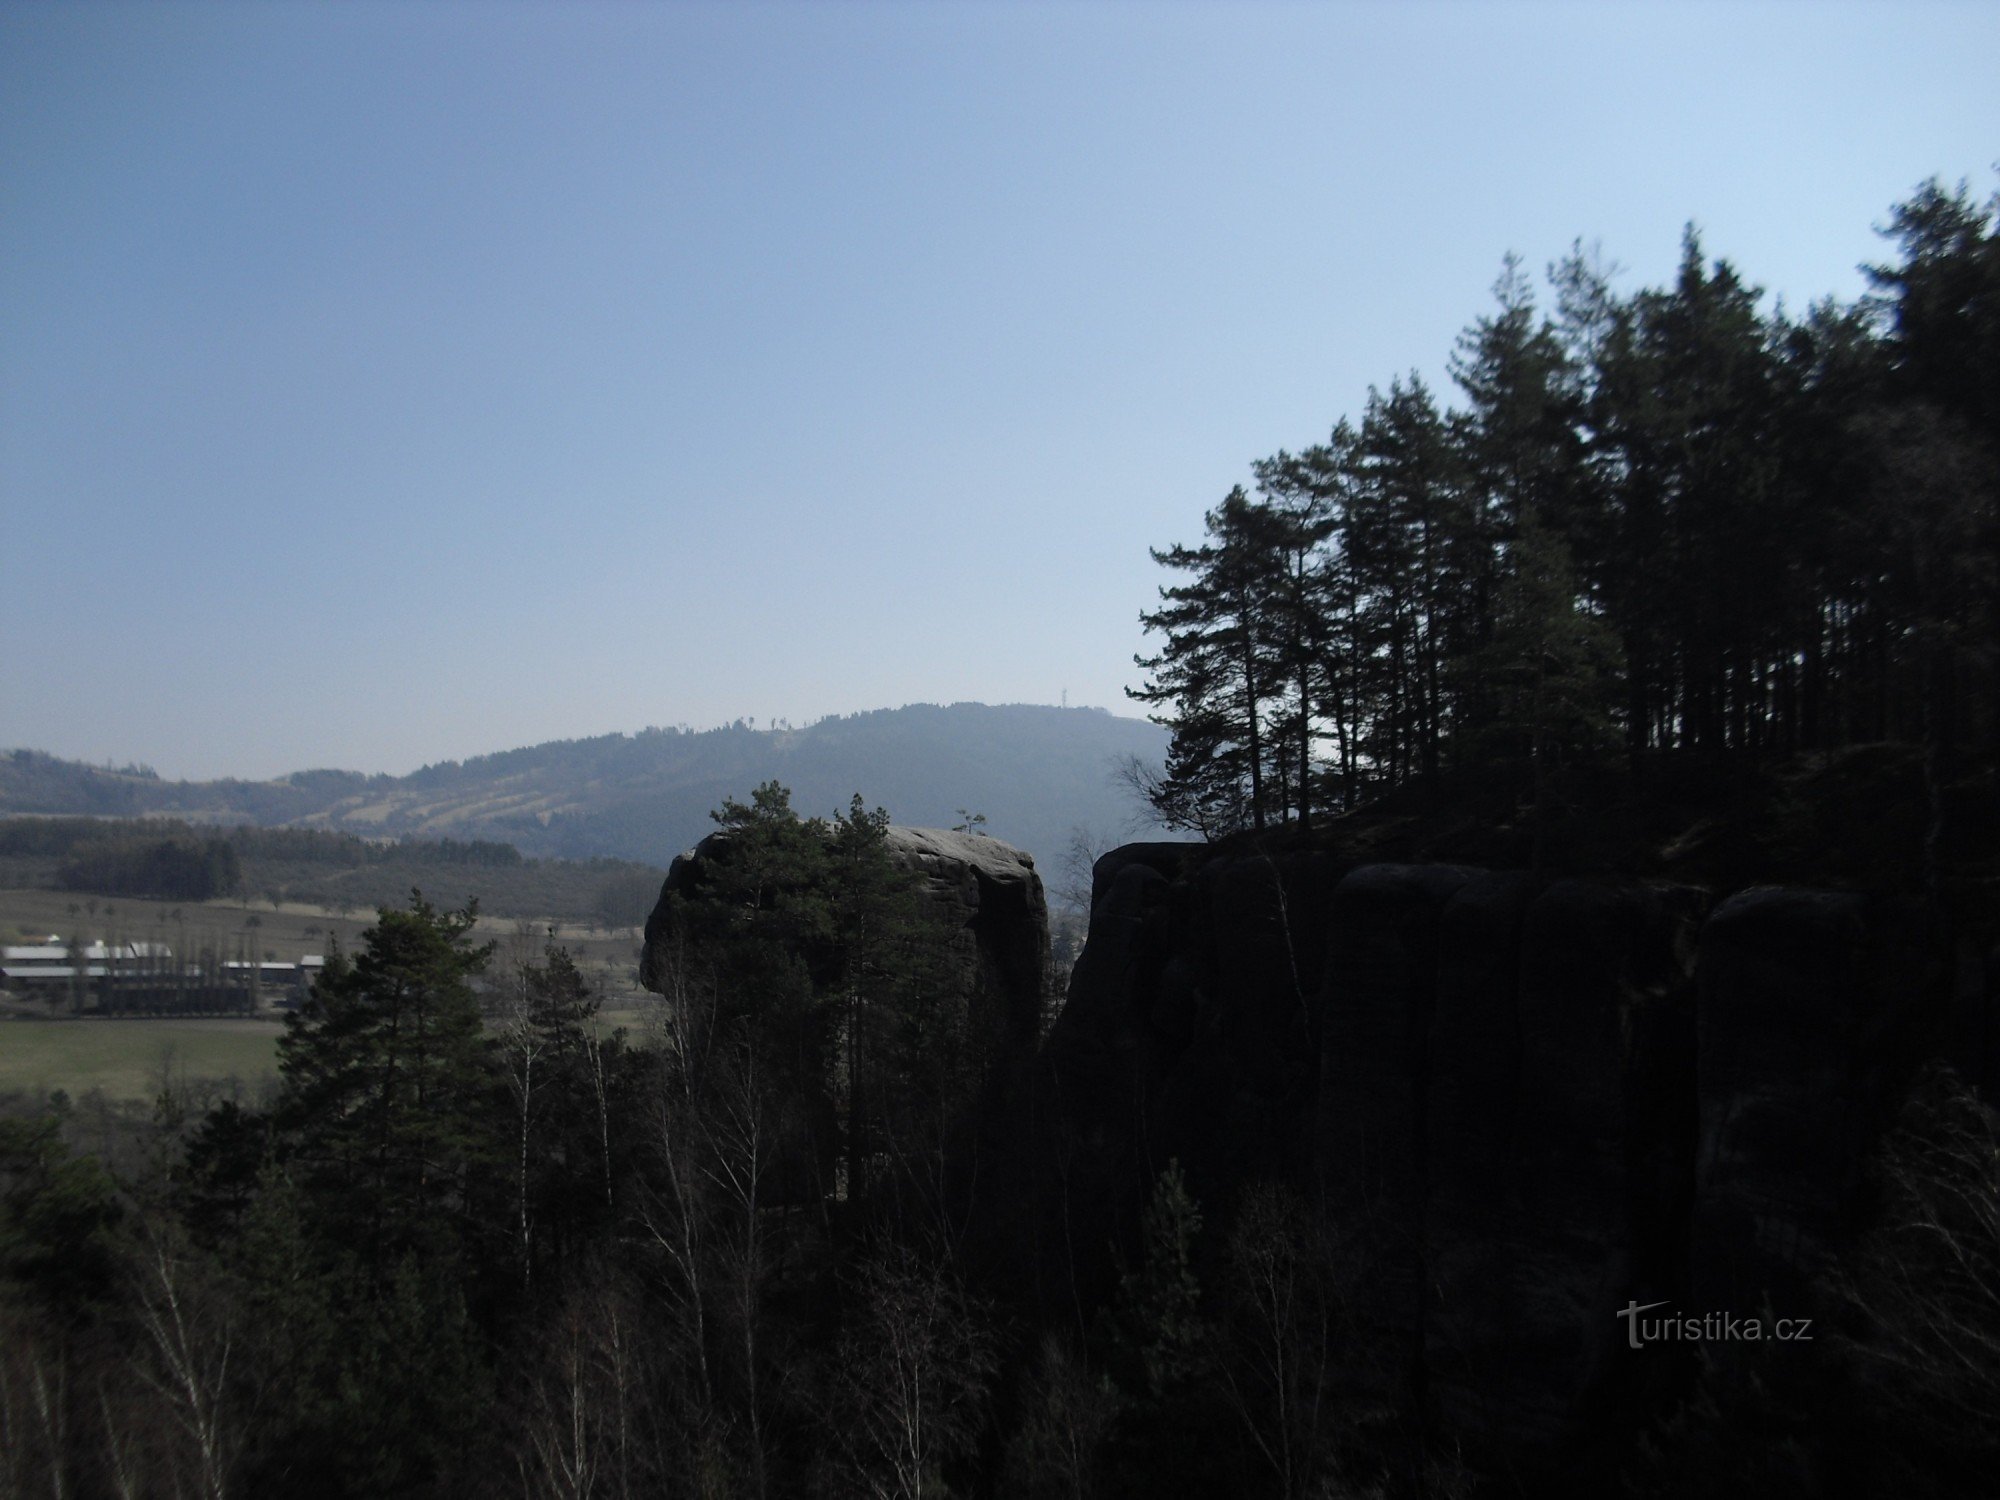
pixel 1036 773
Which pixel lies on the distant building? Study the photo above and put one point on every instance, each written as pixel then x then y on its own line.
pixel 144 978
pixel 34 955
pixel 40 966
pixel 284 985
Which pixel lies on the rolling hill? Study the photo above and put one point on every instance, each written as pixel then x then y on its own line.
pixel 1036 773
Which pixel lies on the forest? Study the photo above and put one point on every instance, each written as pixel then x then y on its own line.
pixel 1665 526
pixel 768 1246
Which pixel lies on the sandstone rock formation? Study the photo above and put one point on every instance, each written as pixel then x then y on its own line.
pixel 1522 1103
pixel 990 889
pixel 987 889
pixel 1806 1002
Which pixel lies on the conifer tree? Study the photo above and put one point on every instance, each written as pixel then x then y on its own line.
pixel 1403 513
pixel 1159 1348
pixel 1215 670
pixel 1552 666
pixel 1702 556
pixel 383 1224
pixel 387 1078
pixel 567 1083
pixel 1299 519
pixel 1519 451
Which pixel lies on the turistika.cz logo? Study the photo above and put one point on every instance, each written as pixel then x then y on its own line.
pixel 1709 1328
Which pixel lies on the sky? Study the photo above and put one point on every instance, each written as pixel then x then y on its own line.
pixel 382 384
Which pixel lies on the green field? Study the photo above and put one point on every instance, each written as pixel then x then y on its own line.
pixel 130 1059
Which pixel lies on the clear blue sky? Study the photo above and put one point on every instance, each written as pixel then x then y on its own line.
pixel 386 383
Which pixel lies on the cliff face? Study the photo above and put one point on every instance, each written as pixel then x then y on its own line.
pixel 1522 1103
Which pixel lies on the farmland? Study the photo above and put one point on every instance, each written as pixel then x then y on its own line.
pixel 287 931
pixel 131 1058
pixel 135 1059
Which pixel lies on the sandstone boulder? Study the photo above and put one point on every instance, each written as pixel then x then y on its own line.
pixel 987 890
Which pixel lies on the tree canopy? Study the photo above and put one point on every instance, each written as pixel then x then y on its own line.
pixel 1673 521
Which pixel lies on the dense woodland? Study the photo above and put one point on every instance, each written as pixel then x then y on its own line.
pixel 1667 523
pixel 162 859
pixel 754 1251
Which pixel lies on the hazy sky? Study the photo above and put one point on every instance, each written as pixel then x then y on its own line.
pixel 381 384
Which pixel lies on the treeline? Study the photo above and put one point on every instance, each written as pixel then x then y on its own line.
pixel 32 781
pixel 312 846
pixel 129 857
pixel 1665 522
pixel 38 782
pixel 162 869
pixel 166 860
pixel 61 838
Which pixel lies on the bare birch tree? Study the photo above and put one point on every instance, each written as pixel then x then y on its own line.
pixel 190 1343
pixel 914 1368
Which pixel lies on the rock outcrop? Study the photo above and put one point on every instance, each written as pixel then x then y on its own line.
pixel 990 891
pixel 987 890
pixel 1521 1103
pixel 1807 1001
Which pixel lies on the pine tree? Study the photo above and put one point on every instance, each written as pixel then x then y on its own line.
pixel 1216 671
pixel 1552 666
pixel 386 1086
pixel 1340 642
pixel 567 1083
pixel 1299 519
pixel 1159 1350
pixel 1703 553
pixel 1519 448
pixel 1403 512
pixel 756 940
pixel 380 1227
pixel 1941 302
pixel 1158 1327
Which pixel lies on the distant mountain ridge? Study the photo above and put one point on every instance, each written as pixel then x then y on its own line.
pixel 1036 772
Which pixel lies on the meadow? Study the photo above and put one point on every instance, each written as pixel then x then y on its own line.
pixel 135 1059
pixel 132 1059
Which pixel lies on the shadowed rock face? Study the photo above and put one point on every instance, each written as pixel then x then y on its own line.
pixel 987 890
pixel 1520 1103
pixel 1806 1011
pixel 1376 1000
pixel 990 889
pixel 1559 1144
